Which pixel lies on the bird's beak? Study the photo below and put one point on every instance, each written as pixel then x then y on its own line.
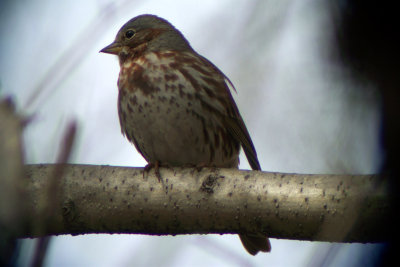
pixel 113 48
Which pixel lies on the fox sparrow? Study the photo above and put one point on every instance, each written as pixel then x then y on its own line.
pixel 175 106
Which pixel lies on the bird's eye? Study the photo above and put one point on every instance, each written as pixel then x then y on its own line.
pixel 129 34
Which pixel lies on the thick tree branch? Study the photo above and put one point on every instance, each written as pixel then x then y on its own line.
pixel 106 199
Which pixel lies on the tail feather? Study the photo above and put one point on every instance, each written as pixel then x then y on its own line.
pixel 254 243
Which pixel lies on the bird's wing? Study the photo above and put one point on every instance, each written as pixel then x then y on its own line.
pixel 231 117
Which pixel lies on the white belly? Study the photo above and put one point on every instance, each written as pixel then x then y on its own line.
pixel 167 131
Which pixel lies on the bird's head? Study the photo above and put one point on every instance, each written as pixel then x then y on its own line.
pixel 146 33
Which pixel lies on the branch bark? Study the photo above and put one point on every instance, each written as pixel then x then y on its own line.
pixel 106 199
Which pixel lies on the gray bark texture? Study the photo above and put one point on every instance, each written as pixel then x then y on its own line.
pixel 107 199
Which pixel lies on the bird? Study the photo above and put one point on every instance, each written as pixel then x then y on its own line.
pixel 176 107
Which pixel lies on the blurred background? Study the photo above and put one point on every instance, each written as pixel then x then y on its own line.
pixel 304 108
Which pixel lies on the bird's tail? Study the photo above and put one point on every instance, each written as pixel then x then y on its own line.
pixel 254 243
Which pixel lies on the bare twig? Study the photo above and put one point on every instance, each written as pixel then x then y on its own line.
pixel 11 180
pixel 49 202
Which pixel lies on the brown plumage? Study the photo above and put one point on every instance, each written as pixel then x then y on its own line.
pixel 175 106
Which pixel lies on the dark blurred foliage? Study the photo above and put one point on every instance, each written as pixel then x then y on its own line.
pixel 368 42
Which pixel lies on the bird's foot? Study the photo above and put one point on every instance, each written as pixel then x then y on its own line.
pixel 153 165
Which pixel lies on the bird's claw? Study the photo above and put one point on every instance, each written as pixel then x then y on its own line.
pixel 156 166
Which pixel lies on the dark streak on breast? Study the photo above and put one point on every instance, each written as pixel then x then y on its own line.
pixel 138 80
pixel 170 77
pixel 189 77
